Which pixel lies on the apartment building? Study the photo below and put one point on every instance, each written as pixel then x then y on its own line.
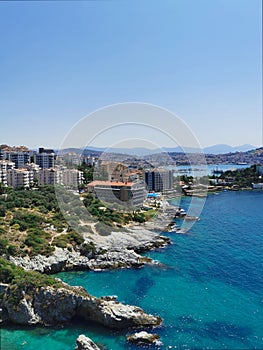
pixel 45 160
pixel 72 177
pixel 5 165
pixel 20 178
pixel 59 176
pixel 19 158
pixel 49 176
pixel 159 180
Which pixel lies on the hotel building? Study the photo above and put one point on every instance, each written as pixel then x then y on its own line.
pixel 122 193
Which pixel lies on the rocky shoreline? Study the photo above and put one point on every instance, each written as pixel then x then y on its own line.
pixel 49 305
pixel 118 250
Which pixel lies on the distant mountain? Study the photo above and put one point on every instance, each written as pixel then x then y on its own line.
pixel 140 151
pixel 222 148
pixel 181 150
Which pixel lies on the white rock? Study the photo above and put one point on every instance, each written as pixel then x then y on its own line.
pixel 144 338
pixel 85 343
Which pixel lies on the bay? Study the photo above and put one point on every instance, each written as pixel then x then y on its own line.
pixel 209 289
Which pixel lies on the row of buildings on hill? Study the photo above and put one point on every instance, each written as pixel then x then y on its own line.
pixel 31 174
pixel 24 168
pixel 115 182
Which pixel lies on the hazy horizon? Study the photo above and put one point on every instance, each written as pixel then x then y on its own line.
pixel 62 61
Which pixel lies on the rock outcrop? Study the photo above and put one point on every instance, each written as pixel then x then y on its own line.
pixel 49 306
pixel 144 338
pixel 85 343
pixel 64 260
pixel 118 250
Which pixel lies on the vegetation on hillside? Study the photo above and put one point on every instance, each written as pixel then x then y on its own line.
pixel 22 282
pixel 31 222
pixel 242 177
pixel 36 221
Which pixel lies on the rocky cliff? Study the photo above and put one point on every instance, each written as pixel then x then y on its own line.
pixel 50 305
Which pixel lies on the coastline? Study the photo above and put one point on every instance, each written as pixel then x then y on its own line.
pixel 181 266
pixel 117 250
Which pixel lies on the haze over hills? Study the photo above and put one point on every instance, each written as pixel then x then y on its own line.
pixel 223 148
pixel 140 151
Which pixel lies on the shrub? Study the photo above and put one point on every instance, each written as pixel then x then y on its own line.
pixel 2 211
pixel 87 249
pixel 71 238
pixel 38 242
pixel 3 246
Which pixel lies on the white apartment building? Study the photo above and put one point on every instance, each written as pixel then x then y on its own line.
pixel 20 178
pixel 5 165
pixel 3 177
pixel 49 177
pixel 25 177
pixel 72 177
pixel 59 176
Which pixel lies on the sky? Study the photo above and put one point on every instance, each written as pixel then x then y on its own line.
pixel 61 61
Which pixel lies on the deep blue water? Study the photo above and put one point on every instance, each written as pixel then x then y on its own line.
pixel 209 290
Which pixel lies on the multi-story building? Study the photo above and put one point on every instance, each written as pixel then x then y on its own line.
pixel 5 165
pixel 113 171
pixel 34 168
pixel 3 177
pixel 59 176
pixel 49 176
pixel 159 180
pixel 20 178
pixel 70 159
pixel 89 160
pixel 2 154
pixel 19 158
pixel 125 193
pixel 45 160
pixel 72 177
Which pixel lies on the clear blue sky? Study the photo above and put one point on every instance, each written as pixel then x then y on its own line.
pixel 201 59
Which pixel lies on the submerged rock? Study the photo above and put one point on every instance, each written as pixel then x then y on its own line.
pixel 85 343
pixel 144 338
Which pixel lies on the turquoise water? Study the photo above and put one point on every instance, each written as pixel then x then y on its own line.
pixel 209 290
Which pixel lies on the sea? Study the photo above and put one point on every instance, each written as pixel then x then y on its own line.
pixel 208 289
pixel 204 170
